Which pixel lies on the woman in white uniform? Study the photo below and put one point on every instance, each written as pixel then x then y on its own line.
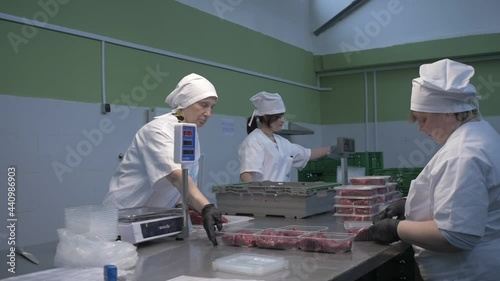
pixel 453 207
pixel 265 155
pixel 148 175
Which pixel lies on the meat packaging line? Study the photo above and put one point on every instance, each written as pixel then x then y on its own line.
pixel 166 258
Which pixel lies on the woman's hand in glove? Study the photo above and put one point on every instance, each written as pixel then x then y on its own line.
pixel 394 210
pixel 212 217
pixel 385 231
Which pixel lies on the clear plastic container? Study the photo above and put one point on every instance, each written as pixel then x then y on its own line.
pixel 357 210
pixel 355 226
pixel 357 200
pixel 244 237
pixel 95 219
pixel 326 242
pixel 275 238
pixel 369 180
pixel 250 264
pixel 348 217
pixel 304 228
pixel 358 190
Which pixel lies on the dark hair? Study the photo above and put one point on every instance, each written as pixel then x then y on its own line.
pixel 460 116
pixel 266 119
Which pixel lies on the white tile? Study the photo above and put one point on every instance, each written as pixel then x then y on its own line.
pixel 27 192
pixel 27 153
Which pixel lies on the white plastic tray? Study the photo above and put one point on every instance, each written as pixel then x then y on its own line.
pixel 250 264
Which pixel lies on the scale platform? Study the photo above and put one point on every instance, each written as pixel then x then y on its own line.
pixel 139 224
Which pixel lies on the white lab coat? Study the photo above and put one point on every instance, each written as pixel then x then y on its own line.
pixel 140 179
pixel 460 190
pixel 271 161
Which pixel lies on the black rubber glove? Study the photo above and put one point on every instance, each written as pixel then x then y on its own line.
pixel 385 231
pixel 394 210
pixel 211 217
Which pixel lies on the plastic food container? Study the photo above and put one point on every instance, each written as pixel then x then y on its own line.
pixel 359 190
pixel 355 226
pixel 240 237
pixel 304 228
pixel 326 242
pixel 357 200
pixel 369 180
pixel 282 239
pixel 357 210
pixel 250 264
pixel 349 217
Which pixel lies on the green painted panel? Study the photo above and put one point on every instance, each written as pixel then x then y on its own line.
pixel 345 103
pixel 487 83
pixel 130 82
pixel 49 65
pixel 394 93
pixel 171 26
pixel 476 45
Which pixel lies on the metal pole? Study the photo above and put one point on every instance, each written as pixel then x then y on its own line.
pixel 343 165
pixel 185 204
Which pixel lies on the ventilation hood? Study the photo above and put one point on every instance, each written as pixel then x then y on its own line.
pixel 290 128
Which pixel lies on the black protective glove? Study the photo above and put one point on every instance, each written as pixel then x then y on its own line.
pixel 394 210
pixel 211 217
pixel 385 231
pixel 334 153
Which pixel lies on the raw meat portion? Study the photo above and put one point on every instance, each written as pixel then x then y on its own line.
pixel 363 234
pixel 279 239
pixel 242 237
pixel 321 242
pixel 197 219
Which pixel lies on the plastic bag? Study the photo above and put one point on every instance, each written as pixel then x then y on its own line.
pixel 90 250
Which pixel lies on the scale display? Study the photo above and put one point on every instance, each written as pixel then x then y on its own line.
pixel 345 145
pixel 185 143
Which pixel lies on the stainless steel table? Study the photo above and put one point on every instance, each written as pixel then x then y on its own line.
pixel 163 259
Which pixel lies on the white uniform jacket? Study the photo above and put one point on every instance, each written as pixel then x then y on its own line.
pixel 271 161
pixel 140 179
pixel 460 190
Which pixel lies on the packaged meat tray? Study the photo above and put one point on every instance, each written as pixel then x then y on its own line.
pixel 326 242
pixel 287 199
pixel 357 210
pixel 369 180
pixel 244 237
pixel 250 264
pixel 280 239
pixel 360 190
pixel 357 200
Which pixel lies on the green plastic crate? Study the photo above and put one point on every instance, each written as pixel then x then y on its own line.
pixel 401 176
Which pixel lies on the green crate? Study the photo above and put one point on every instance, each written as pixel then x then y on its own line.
pixel 401 176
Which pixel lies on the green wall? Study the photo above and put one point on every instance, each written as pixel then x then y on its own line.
pixel 49 64
pixel 394 68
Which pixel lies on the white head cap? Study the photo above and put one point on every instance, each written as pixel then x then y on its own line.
pixel 267 104
pixel 443 87
pixel 192 88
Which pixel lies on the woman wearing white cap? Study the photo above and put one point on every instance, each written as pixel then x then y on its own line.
pixel 148 175
pixel 453 207
pixel 265 155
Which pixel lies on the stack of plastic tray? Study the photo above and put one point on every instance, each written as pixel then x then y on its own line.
pixel 288 199
pixel 364 198
pixel 92 219
pixel 308 238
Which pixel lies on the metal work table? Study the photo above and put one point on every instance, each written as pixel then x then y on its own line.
pixel 167 258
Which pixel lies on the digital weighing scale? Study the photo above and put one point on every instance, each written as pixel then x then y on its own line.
pixel 136 225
